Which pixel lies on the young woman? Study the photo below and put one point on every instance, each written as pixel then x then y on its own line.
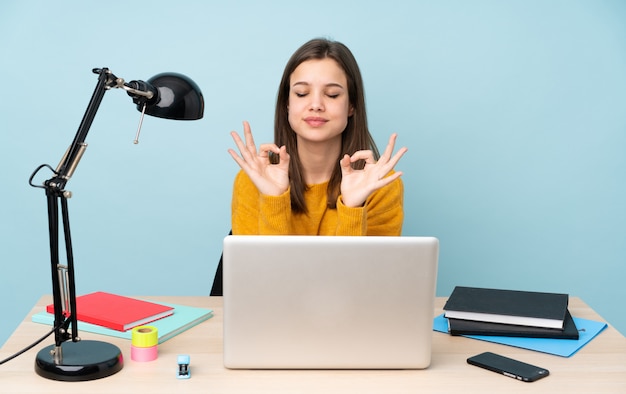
pixel 323 175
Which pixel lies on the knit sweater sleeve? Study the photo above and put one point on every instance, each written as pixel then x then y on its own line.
pixel 382 214
pixel 253 213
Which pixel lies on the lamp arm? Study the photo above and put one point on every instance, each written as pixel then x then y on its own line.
pixel 63 283
pixel 70 160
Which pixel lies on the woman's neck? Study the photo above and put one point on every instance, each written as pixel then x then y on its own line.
pixel 318 160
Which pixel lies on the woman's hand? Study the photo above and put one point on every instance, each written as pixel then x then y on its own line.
pixel 270 179
pixel 357 185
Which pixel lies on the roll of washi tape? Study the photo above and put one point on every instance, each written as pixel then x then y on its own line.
pixel 143 353
pixel 144 340
pixel 145 336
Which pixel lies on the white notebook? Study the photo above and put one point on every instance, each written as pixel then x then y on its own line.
pixel 322 302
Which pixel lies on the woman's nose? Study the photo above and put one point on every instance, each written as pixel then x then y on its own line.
pixel 317 102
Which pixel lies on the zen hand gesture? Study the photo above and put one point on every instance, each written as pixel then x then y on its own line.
pixel 270 179
pixel 357 185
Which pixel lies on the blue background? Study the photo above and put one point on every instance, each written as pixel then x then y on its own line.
pixel 514 113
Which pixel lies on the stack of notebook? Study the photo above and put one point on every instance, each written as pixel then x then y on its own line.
pixel 479 311
pixel 115 315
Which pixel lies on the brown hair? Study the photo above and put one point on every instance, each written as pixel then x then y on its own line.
pixel 355 137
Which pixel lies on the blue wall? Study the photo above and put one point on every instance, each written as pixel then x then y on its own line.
pixel 514 113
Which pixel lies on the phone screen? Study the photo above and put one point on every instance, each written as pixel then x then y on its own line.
pixel 509 367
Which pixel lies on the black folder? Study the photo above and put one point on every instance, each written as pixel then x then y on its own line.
pixel 472 327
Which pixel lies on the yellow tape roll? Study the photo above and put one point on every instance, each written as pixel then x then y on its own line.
pixel 145 336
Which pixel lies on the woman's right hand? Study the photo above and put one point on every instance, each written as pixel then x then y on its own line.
pixel 270 179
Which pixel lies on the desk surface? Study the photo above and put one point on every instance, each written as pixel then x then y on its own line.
pixel 600 367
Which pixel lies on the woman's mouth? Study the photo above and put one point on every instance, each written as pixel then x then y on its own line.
pixel 315 121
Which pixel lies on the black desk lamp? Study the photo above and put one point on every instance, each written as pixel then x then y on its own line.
pixel 167 95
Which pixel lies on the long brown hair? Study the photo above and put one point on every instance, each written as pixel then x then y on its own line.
pixel 356 135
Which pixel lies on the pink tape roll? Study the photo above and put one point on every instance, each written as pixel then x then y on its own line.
pixel 143 353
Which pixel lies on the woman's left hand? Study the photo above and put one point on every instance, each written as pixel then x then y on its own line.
pixel 357 185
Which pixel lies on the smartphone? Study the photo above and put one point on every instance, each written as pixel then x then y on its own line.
pixel 508 367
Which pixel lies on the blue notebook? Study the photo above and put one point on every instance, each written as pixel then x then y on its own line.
pixel 184 318
pixel 588 329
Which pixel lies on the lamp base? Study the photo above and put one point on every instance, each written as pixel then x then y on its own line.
pixel 84 360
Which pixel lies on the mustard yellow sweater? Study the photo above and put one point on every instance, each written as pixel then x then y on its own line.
pixel 257 214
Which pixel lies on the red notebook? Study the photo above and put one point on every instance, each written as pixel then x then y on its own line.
pixel 116 312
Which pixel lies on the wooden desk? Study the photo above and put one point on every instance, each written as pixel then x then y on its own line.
pixel 600 367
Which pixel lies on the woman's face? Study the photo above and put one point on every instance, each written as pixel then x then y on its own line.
pixel 319 105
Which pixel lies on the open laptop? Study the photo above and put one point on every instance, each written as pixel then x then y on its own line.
pixel 322 302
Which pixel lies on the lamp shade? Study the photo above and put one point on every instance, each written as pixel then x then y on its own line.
pixel 178 97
